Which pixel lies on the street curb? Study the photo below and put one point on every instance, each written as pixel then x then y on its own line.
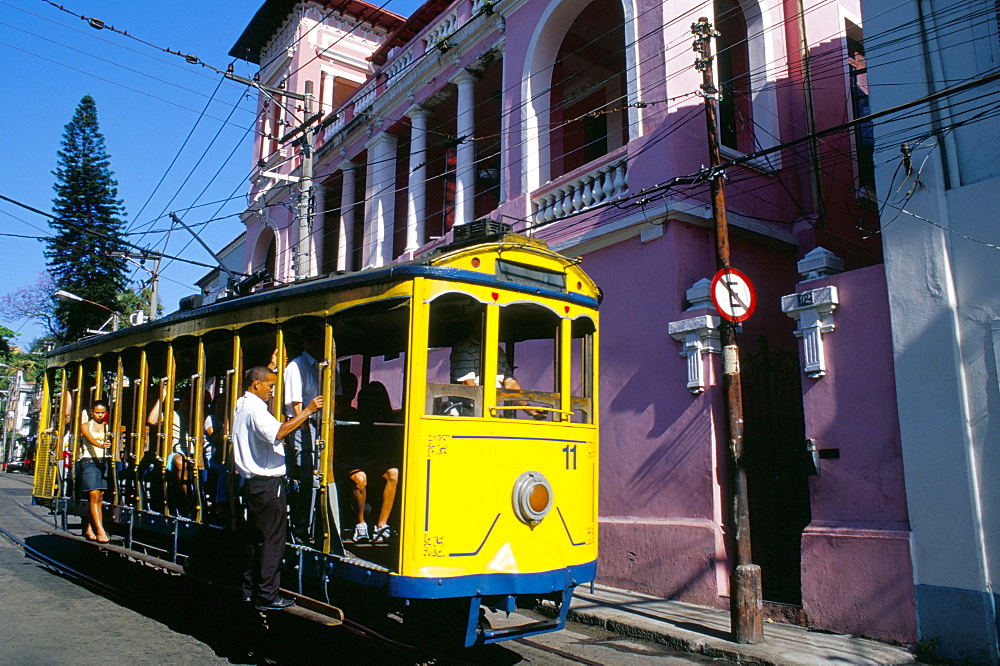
pixel 677 637
pixel 788 645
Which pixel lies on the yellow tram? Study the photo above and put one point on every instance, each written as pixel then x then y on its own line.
pixel 496 505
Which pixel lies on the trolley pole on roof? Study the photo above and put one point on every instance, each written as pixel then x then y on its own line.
pixel 746 602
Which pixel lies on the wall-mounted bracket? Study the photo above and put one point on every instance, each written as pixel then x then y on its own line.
pixel 699 335
pixel 813 310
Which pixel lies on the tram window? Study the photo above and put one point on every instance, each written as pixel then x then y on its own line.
pixel 259 342
pixel 371 341
pixel 582 371
pixel 157 422
pixel 55 390
pixel 528 335
pixel 454 357
pixel 181 464
pixel 92 386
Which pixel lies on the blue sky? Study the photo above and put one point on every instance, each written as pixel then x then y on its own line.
pixel 149 102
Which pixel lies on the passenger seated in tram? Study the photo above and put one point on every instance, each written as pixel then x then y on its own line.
pixel 92 469
pixel 344 409
pixel 466 360
pixel 374 406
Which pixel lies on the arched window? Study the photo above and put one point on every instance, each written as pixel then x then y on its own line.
pixel 588 105
pixel 736 122
pixel 264 255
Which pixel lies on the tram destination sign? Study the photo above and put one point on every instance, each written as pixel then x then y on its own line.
pixel 733 294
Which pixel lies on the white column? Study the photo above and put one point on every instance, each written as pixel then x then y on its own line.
pixel 380 198
pixel 465 168
pixel 326 92
pixel 416 199
pixel 345 241
pixel 370 212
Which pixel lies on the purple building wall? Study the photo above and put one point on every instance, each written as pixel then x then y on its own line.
pixel 663 523
pixel 660 522
pixel 857 575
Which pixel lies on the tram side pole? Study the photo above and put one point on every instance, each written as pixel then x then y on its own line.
pixel 746 602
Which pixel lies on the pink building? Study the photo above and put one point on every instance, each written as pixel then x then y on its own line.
pixel 579 122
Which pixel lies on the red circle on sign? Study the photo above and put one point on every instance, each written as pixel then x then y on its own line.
pixel 735 298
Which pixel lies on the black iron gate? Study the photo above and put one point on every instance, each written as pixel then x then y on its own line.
pixel 777 476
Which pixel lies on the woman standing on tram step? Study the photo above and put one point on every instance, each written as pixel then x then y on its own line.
pixel 92 469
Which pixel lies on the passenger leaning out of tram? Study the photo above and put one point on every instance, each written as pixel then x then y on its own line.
pixel 92 468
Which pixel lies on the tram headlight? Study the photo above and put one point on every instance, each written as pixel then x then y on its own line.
pixel 532 498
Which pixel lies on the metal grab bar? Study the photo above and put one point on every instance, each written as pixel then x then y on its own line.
pixel 564 415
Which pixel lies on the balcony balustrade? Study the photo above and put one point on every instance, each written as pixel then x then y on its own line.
pixel 393 71
pixel 579 193
pixel 365 97
pixel 441 31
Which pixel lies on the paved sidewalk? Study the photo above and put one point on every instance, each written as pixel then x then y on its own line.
pixel 703 630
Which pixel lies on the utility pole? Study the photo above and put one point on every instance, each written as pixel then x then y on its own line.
pixel 745 601
pixel 303 264
pixel 305 188
pixel 154 280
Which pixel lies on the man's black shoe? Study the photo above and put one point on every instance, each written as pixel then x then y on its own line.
pixel 281 603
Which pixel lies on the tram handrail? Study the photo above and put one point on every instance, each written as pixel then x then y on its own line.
pixel 565 415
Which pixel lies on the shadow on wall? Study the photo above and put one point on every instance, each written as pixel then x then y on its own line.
pixel 683 440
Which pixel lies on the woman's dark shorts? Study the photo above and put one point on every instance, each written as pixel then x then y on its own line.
pixel 92 473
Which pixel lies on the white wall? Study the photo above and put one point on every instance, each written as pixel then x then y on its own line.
pixel 942 313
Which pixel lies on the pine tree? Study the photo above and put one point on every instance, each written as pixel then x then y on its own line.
pixel 89 226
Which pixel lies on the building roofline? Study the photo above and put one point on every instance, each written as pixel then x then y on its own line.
pixel 272 13
pixel 419 19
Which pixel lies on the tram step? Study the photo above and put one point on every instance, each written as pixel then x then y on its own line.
pixel 365 564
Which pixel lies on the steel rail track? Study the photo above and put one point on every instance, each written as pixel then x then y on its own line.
pixel 63 569
pixel 120 596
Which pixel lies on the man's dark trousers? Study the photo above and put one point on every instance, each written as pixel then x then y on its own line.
pixel 267 506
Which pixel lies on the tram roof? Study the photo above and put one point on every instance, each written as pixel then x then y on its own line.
pixel 434 264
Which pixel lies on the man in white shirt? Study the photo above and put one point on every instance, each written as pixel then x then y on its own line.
pixel 301 386
pixel 259 455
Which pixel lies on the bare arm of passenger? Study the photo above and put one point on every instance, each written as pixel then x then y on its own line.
pixel 292 424
pixel 89 436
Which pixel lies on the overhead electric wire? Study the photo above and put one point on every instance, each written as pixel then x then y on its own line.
pixel 92 35
pixel 177 155
pixel 198 162
pixel 97 234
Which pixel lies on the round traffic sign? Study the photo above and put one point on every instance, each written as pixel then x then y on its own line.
pixel 733 295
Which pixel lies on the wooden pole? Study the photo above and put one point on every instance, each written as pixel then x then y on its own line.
pixel 746 604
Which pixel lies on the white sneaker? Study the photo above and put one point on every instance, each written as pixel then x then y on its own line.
pixel 361 533
pixel 382 534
